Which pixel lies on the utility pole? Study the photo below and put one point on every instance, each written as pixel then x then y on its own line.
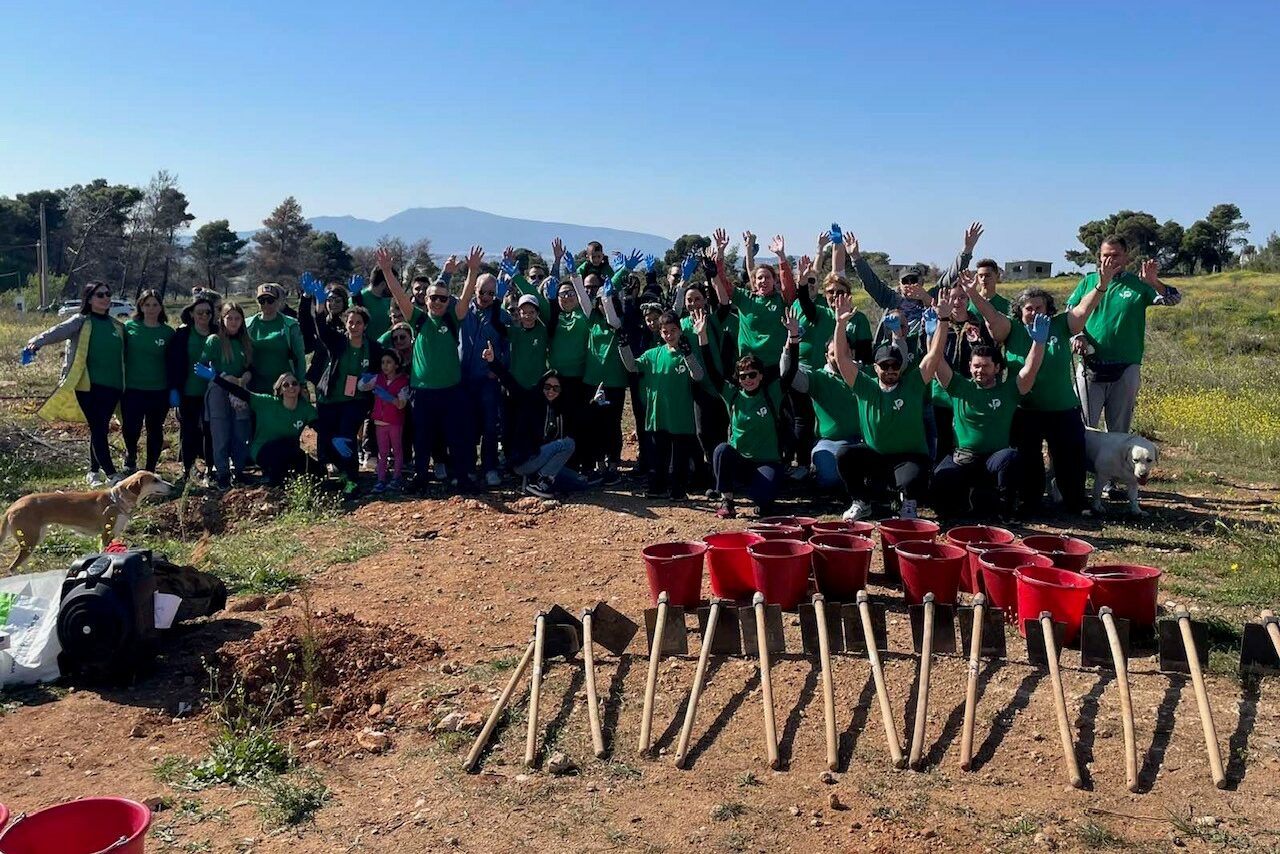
pixel 42 258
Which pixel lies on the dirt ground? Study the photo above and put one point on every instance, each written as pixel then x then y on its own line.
pixel 469 574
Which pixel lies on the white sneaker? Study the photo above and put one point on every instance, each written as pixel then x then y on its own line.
pixel 857 512
pixel 799 472
pixel 95 478
pixel 492 478
pixel 441 472
pixel 908 509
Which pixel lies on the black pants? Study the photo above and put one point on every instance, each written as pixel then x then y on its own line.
pixel 711 421
pixel 280 458
pixel 339 421
pixel 873 477
pixel 606 426
pixel 575 395
pixel 643 438
pixel 196 441
pixel 671 452
pixel 946 433
pixel 954 483
pixel 97 404
pixel 803 425
pixel 1063 431
pixel 138 407
pixel 733 469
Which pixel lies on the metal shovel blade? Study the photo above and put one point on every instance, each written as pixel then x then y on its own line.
pixel 612 629
pixel 557 616
pixel 1036 653
pixel 944 627
pixel 560 641
pixel 993 640
pixel 809 627
pixel 1173 655
pixel 1258 655
pixel 854 640
pixel 1095 647
pixel 675 639
pixel 775 640
pixel 728 637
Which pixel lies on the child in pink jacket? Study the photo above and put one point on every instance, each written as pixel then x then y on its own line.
pixel 390 396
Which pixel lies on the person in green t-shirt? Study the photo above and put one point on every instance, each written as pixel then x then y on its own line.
pixel 376 299
pixel 709 417
pixel 760 308
pixel 351 357
pixel 185 350
pixel 277 340
pixel 146 397
pixel 280 418
pixel 987 279
pixel 1115 334
pixel 229 351
pixel 605 375
pixel 984 405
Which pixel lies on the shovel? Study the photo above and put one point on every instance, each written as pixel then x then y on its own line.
pixel 720 636
pixel 872 644
pixel 614 631
pixel 1260 647
pixel 505 697
pixel 1043 643
pixel 557 634
pixel 763 630
pixel 983 634
pixel 664 626
pixel 1104 642
pixel 1184 648
pixel 821 631
pixel 930 624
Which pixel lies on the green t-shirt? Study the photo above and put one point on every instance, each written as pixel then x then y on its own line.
pixel 998 301
pixel 272 351
pixel 760 329
pixel 105 360
pixel 892 421
pixel 194 387
pixel 379 309
pixel 353 362
pixel 436 360
pixel 528 353
pixel 273 420
pixel 814 337
pixel 716 330
pixel 604 365
pixel 234 366
pixel 1054 389
pixel 1118 324
pixel 753 425
pixel 834 405
pixel 983 416
pixel 568 354
pixel 668 393
pixel 144 364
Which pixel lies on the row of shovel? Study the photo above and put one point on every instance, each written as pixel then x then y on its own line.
pixel 860 628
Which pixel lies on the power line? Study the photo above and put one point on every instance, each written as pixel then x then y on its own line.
pixel 20 246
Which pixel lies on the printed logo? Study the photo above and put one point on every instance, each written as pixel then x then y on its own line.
pixel 773 306
pixel 1053 341
pixel 898 403
pixel 681 369
pixel 159 342
pixel 995 404
pixel 762 411
pixel 297 425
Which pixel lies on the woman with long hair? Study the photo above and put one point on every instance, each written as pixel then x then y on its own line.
pixel 229 351
pixel 350 355
pixel 146 384
pixel 185 350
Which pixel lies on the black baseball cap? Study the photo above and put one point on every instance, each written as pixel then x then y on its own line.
pixel 888 353
pixel 910 272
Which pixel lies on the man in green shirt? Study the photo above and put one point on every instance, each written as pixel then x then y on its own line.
pixel 1115 334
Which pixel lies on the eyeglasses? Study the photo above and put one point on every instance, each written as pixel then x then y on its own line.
pixel 400 339
pixel 437 298
pixel 289 384
pixel 266 300
pixel 748 375
pixel 488 293
pixel 97 294
pixel 551 387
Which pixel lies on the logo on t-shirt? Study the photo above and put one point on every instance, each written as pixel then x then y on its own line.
pixel 995 403
pixel 773 306
pixel 297 425
pixel 1053 341
pixel 680 368
pixel 762 411
pixel 159 342
pixel 898 403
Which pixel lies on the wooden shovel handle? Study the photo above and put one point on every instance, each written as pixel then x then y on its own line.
pixel 535 691
pixel 651 681
pixel 1060 701
pixel 1273 630
pixel 882 692
pixel 922 694
pixel 971 689
pixel 1126 701
pixel 593 702
pixel 682 748
pixel 828 688
pixel 505 697
pixel 766 685
pixel 1202 700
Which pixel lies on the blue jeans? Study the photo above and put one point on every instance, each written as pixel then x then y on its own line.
pixel 230 429
pixel 436 415
pixel 732 469
pixel 549 460
pixel 826 460
pixel 483 399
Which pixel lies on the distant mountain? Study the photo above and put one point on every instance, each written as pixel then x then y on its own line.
pixel 454 230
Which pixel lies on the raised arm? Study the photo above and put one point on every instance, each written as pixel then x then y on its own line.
pixel 999 325
pixel 1079 313
pixel 808 278
pixel 749 247
pixel 971 235
pixel 382 258
pixel 786 276
pixel 934 364
pixel 839 254
pixel 1165 294
pixel 844 359
pixel 1038 329
pixel 789 364
pixel 883 295
pixel 61 332
pixel 474 257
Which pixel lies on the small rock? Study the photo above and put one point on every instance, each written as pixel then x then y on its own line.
pixel 451 841
pixel 312 744
pixel 521 778
pixel 448 667
pixel 449 723
pixel 34 772
pixel 833 801
pixel 156 803
pixel 795 811
pixel 138 731
pixel 1044 841
pixel 930 834
pixel 827 777
pixel 560 763
pixel 635 819
pixel 817 822
pixel 471 722
pixel 1037 736
pixel 244 604
pixel 1207 821
pixel 372 740
pixel 592 787
pixel 374 710
pixel 280 600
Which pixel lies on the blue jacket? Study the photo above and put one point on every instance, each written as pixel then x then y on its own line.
pixel 479 329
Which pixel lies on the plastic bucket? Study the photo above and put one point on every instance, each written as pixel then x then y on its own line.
pixel 1065 552
pixel 805 522
pixel 997 573
pixel 4 816
pixel 929 567
pixel 729 565
pixel 781 569
pixel 778 532
pixel 859 529
pixel 1130 590
pixel 967 535
pixel 86 826
pixel 894 531
pixel 1061 592
pixel 840 565
pixel 677 569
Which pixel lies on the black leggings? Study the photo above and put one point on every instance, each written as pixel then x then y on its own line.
pixel 97 404
pixel 196 440
pixel 803 425
pixel 606 426
pixel 139 407
pixel 339 420
pixel 872 476
pixel 280 458
pixel 671 452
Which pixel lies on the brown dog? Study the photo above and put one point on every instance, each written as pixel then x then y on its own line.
pixel 104 512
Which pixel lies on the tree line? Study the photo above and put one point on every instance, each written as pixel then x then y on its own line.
pixel 1208 245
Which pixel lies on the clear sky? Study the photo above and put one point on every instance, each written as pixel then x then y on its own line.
pixel 902 121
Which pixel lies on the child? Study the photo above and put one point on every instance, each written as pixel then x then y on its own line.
pixel 391 394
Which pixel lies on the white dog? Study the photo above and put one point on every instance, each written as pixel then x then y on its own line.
pixel 1120 458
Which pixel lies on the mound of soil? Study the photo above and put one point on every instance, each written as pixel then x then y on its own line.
pixel 214 513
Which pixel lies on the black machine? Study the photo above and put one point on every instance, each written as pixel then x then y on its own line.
pixel 106 622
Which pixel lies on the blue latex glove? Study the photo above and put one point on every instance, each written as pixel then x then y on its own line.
pixel 343 447
pixel 689 266
pixel 509 267
pixel 175 399
pixel 305 282
pixel 503 285
pixel 204 372
pixel 837 236
pixel 28 355
pixel 356 285
pixel 365 379
pixel 1038 329
pixel 384 394
pixel 633 260
pixel 649 263
pixel 930 321
pixel 607 289
pixel 893 324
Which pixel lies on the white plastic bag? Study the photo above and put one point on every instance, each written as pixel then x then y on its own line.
pixel 29 616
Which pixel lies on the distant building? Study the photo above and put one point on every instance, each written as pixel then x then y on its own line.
pixel 1015 271
pixel 896 271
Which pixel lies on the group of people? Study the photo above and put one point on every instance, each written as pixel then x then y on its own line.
pixel 741 382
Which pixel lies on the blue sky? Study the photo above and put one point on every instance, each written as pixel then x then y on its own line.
pixel 902 122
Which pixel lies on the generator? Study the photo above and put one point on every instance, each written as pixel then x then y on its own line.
pixel 106 622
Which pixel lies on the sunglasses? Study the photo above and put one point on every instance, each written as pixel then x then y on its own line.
pixel 889 366
pixel 748 375
pixel 551 387
pixel 97 294
pixel 289 384
pixel 910 280
pixel 437 298
pixel 400 339
pixel 835 293
pixel 265 300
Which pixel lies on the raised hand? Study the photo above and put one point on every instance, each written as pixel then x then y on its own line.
pixel 382 257
pixel 1150 271
pixel 306 284
pixel 487 355
pixel 633 260
pixel 343 447
pixel 836 234
pixel 721 238
pixel 698 318
pixel 778 246
pixel 791 321
pixel 689 266
pixel 749 245
pixel 824 240
pixel 893 323
pixel 1108 269
pixel 650 262
pixel 203 371
pixel 356 284
pixel 971 235
pixel 711 266
pixel 805 265
pixel 451 265
pixel 930 321
pixel 843 307
pixel 474 258
pixel 509 267
pixel 557 248
pixel 851 246
pixel 915 292
pixel 967 282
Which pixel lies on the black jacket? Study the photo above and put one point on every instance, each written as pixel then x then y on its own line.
pixel 332 344
pixel 177 367
pixel 534 422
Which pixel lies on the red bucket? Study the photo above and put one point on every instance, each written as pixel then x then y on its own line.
pixel 729 564
pixel 1131 591
pixel 858 529
pixel 86 826
pixel 930 568
pixel 781 569
pixel 805 522
pixel 840 565
pixel 1061 592
pixel 677 569
pixel 779 532
pixel 894 531
pixel 4 816
pixel 967 535
pixel 998 582
pixel 1065 552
